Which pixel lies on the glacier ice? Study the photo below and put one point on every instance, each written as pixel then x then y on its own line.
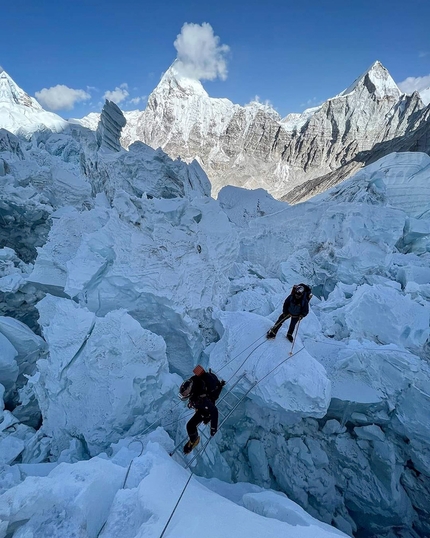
pixel 300 388
pixel 100 376
pixel 91 495
pixel 132 274
pixel 109 128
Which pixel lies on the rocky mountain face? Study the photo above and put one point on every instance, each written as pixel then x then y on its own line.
pixel 253 147
pixel 413 134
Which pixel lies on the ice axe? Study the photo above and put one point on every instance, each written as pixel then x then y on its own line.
pixel 295 336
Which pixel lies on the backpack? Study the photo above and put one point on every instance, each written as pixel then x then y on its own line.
pixel 213 384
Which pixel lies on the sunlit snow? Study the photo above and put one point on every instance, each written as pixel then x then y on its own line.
pixel 119 273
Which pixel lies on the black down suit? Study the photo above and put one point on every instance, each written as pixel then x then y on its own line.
pixel 202 399
pixel 295 307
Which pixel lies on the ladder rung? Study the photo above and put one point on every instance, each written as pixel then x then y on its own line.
pixel 232 394
pixel 204 434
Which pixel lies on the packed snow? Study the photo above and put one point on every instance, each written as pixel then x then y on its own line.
pixel 119 274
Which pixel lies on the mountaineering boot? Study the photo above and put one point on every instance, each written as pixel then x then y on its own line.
pixel 290 337
pixel 271 334
pixel 188 447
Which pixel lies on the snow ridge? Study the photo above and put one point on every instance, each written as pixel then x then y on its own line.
pixel 21 114
pixel 253 147
pixel 378 80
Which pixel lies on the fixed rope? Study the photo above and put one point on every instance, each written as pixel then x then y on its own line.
pixel 246 358
pixel 183 414
pixel 177 504
pixel 363 349
pixel 243 351
pixel 220 426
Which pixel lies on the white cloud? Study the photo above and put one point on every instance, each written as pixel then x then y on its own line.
pixel 137 100
pixel 419 84
pixel 200 56
pixel 60 97
pixel 310 103
pixel 118 94
pixel 266 102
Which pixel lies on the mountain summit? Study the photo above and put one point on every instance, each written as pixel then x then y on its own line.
pixel 11 94
pixel 251 146
pixel 21 114
pixel 172 81
pixel 378 81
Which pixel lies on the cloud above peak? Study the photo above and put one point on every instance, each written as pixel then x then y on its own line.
pixel 257 99
pixel 119 94
pixel 200 55
pixel 60 97
pixel 419 84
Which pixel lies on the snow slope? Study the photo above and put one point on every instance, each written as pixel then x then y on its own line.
pixel 86 493
pixel 22 114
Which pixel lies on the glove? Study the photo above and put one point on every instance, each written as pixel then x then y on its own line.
pixel 213 431
pixel 222 382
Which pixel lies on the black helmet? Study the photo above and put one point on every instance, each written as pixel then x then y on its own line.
pixel 185 389
pixel 299 291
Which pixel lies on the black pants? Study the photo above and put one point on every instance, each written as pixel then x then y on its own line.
pixel 283 317
pixel 194 421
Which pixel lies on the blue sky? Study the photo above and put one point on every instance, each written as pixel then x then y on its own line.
pixel 294 54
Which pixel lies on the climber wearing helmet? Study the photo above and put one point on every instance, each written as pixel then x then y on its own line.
pixel 201 390
pixel 296 307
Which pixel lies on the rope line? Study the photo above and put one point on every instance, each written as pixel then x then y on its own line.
pixel 246 358
pixel 125 478
pixel 220 426
pixel 295 336
pixel 343 346
pixel 183 491
pixel 177 504
pixel 159 419
pixel 243 350
pixel 178 402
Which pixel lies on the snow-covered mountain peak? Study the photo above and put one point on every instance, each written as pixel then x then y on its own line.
pixel 256 106
pixel 425 95
pixel 174 82
pixel 295 121
pixel 90 121
pixel 377 80
pixel 11 93
pixel 21 114
pixel 183 104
